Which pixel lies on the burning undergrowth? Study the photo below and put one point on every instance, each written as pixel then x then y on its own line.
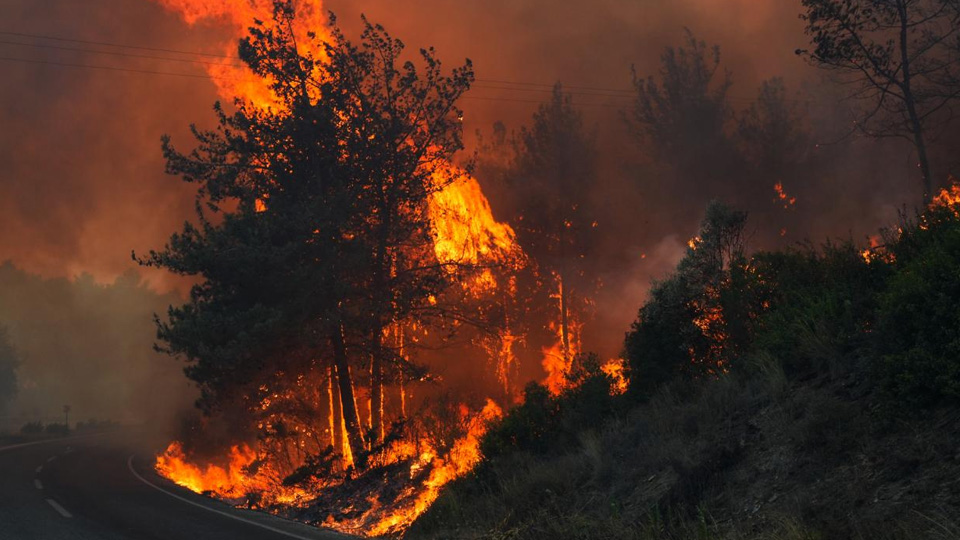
pixel 403 477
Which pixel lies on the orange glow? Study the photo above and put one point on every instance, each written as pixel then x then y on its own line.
pixel 233 79
pixel 465 234
pixel 466 231
pixel 948 197
pixel 615 370
pixel 782 198
pixel 463 457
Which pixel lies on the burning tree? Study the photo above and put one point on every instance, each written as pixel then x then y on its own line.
pixel 333 235
pixel 556 155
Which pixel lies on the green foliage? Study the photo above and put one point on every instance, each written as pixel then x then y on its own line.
pixel 698 321
pixel 822 303
pixel 918 321
pixel 544 423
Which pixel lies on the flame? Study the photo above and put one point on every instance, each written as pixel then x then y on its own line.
pixel 229 481
pixel 233 79
pixel 948 197
pixel 615 370
pixel 465 228
pixel 463 457
pixel 558 358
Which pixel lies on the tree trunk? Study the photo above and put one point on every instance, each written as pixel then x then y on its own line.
pixel 403 395
pixel 376 387
pixel 564 322
pixel 336 413
pixel 348 401
pixel 916 126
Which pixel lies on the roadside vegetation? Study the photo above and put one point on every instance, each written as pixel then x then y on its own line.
pixel 810 392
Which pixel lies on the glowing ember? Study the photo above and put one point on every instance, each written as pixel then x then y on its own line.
pixel 782 198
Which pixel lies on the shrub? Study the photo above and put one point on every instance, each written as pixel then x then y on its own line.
pixel 822 303
pixel 918 326
pixel 544 423
pixel 698 321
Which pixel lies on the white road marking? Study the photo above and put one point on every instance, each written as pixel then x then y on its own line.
pixel 51 458
pixel 39 469
pixel 38 484
pixel 215 511
pixel 56 506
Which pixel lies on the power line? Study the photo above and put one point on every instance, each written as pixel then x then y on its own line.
pixel 107 44
pixel 487 84
pixel 209 77
pixel 231 57
pixel 115 53
pixel 106 68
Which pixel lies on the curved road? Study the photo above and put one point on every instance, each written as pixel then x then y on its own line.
pixel 103 487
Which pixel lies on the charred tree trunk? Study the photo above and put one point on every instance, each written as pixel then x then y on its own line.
pixel 348 402
pixel 376 388
pixel 916 125
pixel 336 412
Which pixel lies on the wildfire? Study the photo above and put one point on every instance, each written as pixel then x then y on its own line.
pixel 229 481
pixel 243 478
pixel 464 231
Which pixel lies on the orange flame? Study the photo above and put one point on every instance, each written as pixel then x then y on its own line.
pixel 615 370
pixel 463 457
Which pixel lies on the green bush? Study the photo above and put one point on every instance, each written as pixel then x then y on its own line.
pixel 822 303
pixel 918 321
pixel 544 423
pixel 699 320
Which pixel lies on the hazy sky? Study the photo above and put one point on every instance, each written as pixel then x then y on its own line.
pixel 81 177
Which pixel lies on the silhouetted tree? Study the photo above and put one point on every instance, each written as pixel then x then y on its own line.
pixel 771 132
pixel 699 319
pixel 552 180
pixel 903 58
pixel 681 115
pixel 322 236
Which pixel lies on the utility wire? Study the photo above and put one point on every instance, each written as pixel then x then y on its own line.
pixel 107 44
pixel 115 53
pixel 486 84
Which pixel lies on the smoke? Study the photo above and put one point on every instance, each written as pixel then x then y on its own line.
pixel 81 176
pixel 88 346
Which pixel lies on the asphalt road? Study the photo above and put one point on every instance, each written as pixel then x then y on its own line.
pixel 103 488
